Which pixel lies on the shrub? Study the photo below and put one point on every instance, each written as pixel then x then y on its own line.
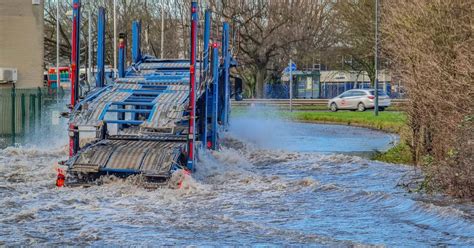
pixel 430 45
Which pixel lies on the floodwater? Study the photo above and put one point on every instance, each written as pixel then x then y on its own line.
pixel 272 183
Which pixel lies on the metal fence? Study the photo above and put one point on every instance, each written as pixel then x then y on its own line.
pixel 320 90
pixel 21 109
pixel 298 102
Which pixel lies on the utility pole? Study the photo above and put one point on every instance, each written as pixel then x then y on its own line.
pixel 291 85
pixel 89 47
pixel 162 28
pixel 376 104
pixel 115 39
pixel 58 78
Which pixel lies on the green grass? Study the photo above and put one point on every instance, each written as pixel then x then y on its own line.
pixel 399 154
pixel 320 107
pixel 387 121
pixel 312 108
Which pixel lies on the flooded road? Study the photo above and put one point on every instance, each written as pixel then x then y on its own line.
pixel 273 183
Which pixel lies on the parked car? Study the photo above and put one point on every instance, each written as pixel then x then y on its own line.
pixel 358 99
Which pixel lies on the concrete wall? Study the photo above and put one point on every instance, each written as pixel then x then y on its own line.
pixel 21 40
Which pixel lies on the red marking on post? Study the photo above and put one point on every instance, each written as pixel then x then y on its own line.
pixel 191 148
pixel 73 59
pixel 71 142
pixel 192 93
pixel 73 78
pixel 61 178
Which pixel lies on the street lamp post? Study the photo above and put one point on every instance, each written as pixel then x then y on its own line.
pixel 115 39
pixel 376 104
pixel 291 85
pixel 58 79
pixel 89 48
pixel 162 28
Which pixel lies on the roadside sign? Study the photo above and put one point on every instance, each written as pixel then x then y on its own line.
pixel 290 68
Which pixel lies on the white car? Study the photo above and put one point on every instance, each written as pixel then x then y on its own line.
pixel 358 99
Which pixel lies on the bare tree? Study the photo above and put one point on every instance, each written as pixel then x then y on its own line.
pixel 357 41
pixel 272 31
pixel 148 11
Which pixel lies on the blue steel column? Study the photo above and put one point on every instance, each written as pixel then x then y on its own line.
pixel 122 51
pixel 100 80
pixel 205 117
pixel 192 88
pixel 207 32
pixel 136 41
pixel 121 70
pixel 215 100
pixel 225 55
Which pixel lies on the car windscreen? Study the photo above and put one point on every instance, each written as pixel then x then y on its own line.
pixel 358 93
pixel 345 94
pixel 381 92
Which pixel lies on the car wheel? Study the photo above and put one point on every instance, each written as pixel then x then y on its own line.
pixel 361 107
pixel 381 108
pixel 333 107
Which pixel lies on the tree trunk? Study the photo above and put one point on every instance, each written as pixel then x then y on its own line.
pixel 260 81
pixel 371 75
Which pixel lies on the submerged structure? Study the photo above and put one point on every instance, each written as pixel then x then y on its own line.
pixel 155 116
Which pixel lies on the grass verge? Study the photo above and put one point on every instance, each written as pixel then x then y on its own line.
pixel 399 154
pixel 314 108
pixel 393 122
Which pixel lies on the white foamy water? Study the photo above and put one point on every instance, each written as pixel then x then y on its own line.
pixel 246 194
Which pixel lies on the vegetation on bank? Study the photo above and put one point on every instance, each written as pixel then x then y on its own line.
pixel 324 108
pixel 399 154
pixel 431 52
pixel 386 121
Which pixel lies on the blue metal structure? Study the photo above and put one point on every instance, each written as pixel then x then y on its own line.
pixel 100 81
pixel 136 41
pixel 204 76
pixel 215 97
pixel 207 34
pixel 122 54
pixel 226 66
pixel 151 119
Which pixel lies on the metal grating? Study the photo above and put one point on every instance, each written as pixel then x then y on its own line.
pixel 149 157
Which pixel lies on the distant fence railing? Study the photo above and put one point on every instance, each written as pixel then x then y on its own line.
pixel 297 102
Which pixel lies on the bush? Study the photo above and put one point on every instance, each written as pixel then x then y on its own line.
pixel 429 43
pixel 455 173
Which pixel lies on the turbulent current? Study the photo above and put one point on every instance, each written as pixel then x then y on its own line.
pixel 272 183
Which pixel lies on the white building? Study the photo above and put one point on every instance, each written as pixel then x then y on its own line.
pixel 21 41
